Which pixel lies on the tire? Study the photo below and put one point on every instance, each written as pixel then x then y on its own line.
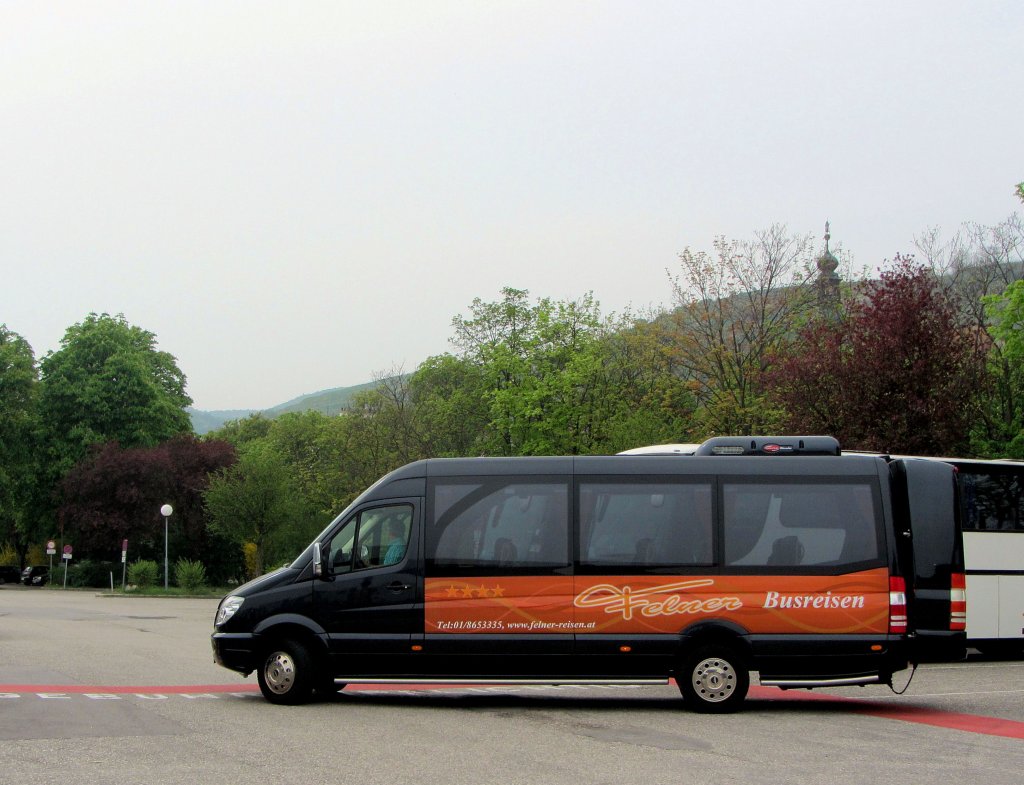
pixel 287 673
pixel 714 679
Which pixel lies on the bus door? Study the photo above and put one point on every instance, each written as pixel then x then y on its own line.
pixel 936 600
pixel 369 602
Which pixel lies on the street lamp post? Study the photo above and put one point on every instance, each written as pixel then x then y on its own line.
pixel 166 511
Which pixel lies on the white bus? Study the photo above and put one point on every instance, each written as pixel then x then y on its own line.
pixel 992 518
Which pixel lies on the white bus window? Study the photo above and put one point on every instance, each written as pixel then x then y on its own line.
pixel 992 500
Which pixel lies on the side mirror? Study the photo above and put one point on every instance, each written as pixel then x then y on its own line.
pixel 318 563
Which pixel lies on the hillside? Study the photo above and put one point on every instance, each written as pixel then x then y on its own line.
pixel 329 402
pixel 206 421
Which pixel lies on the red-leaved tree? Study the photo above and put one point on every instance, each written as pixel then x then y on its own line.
pixel 901 373
pixel 115 494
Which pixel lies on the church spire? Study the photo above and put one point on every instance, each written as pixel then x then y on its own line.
pixel 828 280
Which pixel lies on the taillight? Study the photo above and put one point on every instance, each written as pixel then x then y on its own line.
pixel 897 605
pixel 958 602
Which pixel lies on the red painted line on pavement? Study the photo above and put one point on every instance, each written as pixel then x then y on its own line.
pixel 973 723
pixel 78 689
pixel 970 723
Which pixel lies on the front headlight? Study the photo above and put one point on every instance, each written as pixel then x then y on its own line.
pixel 228 607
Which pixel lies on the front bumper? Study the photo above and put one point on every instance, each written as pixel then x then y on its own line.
pixel 235 651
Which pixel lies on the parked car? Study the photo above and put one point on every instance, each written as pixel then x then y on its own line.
pixel 9 574
pixel 35 576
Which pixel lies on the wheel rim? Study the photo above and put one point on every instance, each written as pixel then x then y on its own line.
pixel 714 680
pixel 279 672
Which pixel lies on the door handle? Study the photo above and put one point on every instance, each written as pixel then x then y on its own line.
pixel 397 587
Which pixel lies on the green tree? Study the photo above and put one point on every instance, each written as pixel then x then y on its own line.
pixel 975 267
pixel 654 402
pixel 559 378
pixel 1006 312
pixel 541 372
pixel 377 434
pixel 496 338
pixel 109 382
pixel 448 394
pixel 319 451
pixel 257 501
pixel 19 385
pixel 733 313
pixel 239 432
pixel 311 444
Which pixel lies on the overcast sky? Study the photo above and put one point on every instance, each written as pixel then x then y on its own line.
pixel 293 196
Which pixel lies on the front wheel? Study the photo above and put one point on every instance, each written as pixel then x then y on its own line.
pixel 287 673
pixel 714 679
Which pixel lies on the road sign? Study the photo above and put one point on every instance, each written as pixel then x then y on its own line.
pixel 66 556
pixel 51 547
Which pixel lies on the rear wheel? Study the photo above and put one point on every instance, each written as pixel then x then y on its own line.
pixel 714 679
pixel 287 673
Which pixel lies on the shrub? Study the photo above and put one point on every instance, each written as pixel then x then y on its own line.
pixel 142 573
pixel 252 560
pixel 36 555
pixel 190 575
pixel 9 557
pixel 90 574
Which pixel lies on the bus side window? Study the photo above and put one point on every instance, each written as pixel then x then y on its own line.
pixel 792 525
pixel 502 525
pixel 637 525
pixel 746 514
pixel 992 501
pixel 369 532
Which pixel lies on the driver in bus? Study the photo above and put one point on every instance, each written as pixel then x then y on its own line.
pixel 396 542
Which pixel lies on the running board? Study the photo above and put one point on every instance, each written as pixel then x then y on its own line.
pixel 508 682
pixel 807 684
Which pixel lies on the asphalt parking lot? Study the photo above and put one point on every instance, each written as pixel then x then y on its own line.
pixel 111 689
